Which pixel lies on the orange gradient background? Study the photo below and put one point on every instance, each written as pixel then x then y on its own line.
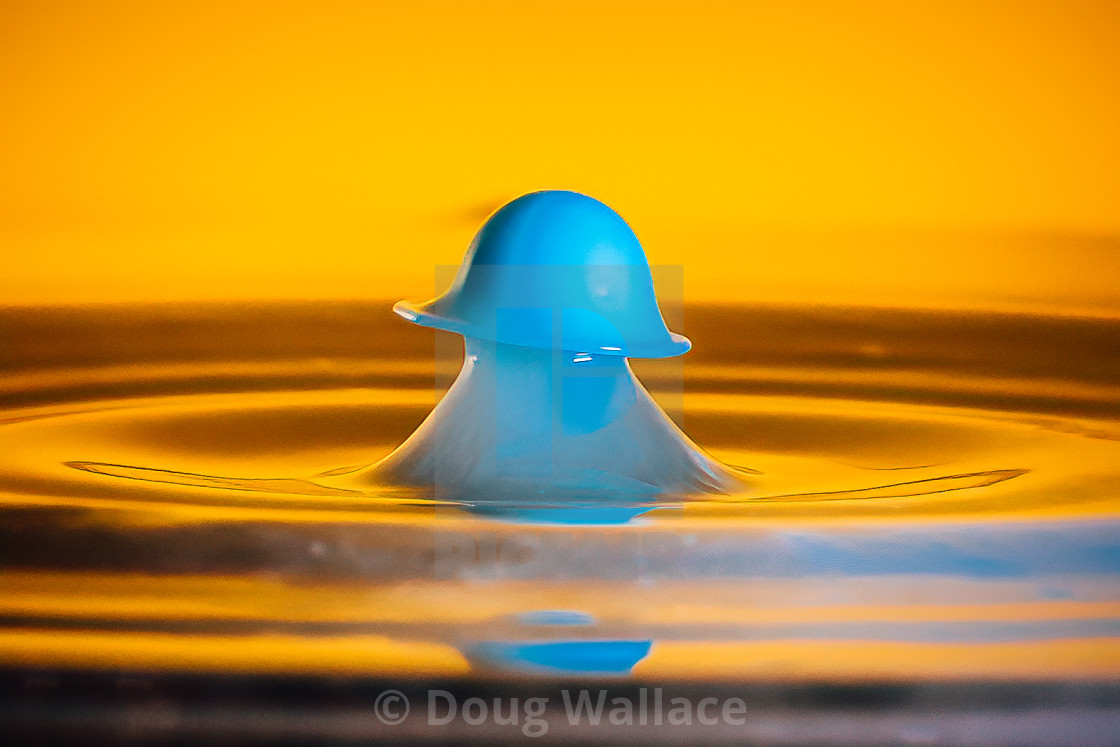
pixel 959 154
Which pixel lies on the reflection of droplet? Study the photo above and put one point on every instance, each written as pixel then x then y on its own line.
pixel 556 617
pixel 604 658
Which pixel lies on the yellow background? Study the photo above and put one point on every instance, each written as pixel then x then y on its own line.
pixel 888 153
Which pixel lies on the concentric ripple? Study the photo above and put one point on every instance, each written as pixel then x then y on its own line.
pixel 936 496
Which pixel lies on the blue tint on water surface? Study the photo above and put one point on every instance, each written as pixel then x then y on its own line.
pixel 568 657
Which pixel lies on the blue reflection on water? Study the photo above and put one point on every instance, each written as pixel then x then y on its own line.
pixel 563 657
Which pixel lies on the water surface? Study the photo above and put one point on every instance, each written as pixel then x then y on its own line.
pixel 937 500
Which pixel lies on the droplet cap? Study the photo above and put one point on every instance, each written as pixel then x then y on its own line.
pixel 555 269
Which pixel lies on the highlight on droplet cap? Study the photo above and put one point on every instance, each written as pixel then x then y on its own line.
pixel 556 270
